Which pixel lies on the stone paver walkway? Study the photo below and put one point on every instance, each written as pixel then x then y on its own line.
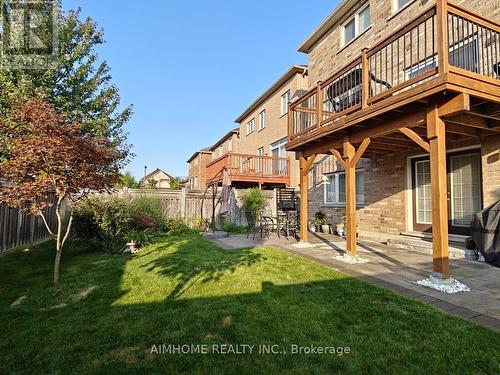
pixel 398 270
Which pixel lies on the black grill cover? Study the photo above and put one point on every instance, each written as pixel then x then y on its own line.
pixel 485 231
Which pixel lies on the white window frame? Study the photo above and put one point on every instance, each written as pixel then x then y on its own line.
pixel 262 119
pixel 360 199
pixel 251 126
pixel 285 100
pixel 395 5
pixel 357 32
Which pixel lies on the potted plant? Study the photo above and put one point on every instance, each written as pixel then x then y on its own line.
pixel 320 221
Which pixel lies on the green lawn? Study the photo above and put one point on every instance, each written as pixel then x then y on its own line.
pixel 185 290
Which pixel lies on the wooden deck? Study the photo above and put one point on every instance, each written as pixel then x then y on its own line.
pixel 428 86
pixel 396 80
pixel 250 169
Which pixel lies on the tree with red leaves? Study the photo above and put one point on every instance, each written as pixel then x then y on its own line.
pixel 47 156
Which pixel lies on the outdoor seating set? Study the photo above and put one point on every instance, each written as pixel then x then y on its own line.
pixel 286 221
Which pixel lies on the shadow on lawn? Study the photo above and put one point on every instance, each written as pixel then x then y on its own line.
pixel 200 263
pixel 384 332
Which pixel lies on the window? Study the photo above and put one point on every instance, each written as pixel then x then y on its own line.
pixel 464 54
pixel 260 151
pixel 230 145
pixel 262 120
pixel 251 126
pixel 357 24
pixel 399 4
pixel 335 188
pixel 285 99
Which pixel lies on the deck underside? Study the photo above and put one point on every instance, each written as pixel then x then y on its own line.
pixel 474 113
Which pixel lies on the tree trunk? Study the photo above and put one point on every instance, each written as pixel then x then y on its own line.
pixel 56 269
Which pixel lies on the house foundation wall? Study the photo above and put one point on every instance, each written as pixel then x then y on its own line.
pixel 386 211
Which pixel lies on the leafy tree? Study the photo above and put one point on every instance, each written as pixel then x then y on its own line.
pixel 51 156
pixel 150 184
pixel 128 180
pixel 77 85
pixel 176 183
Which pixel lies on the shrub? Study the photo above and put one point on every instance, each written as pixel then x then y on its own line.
pixel 231 227
pixel 176 226
pixel 148 212
pixel 254 201
pixel 103 224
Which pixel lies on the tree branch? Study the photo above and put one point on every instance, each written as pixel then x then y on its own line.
pixel 67 229
pixel 40 213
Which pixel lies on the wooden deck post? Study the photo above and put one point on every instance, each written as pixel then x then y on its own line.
pixel 437 146
pixel 365 79
pixel 350 197
pixel 305 166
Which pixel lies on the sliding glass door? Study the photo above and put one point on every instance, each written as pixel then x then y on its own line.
pixel 464 191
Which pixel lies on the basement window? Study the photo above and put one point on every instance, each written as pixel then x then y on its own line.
pixel 335 188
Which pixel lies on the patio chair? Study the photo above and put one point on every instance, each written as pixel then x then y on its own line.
pixel 289 224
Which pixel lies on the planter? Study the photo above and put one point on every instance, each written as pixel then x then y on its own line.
pixel 325 228
pixel 312 227
pixel 340 230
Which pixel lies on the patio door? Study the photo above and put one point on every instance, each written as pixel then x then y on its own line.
pixel 278 150
pixel 464 191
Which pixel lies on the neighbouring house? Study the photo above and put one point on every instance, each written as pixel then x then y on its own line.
pixel 400 129
pixel 197 169
pixel 263 128
pixel 254 154
pixel 156 179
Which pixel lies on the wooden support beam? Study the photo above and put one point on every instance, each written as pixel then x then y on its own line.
pixel 388 126
pixel 338 156
pixel 359 152
pixel 462 130
pixel 415 137
pixel 350 192
pixel 458 104
pixel 437 141
pixel 304 165
pixel 475 121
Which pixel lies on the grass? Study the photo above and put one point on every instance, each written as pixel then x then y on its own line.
pixel 184 290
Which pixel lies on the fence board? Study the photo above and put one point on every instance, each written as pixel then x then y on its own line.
pixel 18 228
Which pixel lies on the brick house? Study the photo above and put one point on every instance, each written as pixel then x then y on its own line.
pixel 197 169
pixel 263 125
pixel 400 129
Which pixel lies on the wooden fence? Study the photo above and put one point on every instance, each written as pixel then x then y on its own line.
pixel 18 228
pixel 190 203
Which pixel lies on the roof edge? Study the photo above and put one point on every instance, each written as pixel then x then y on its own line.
pixel 326 25
pixel 294 69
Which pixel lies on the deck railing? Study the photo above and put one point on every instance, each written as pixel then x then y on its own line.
pixel 412 55
pixel 246 167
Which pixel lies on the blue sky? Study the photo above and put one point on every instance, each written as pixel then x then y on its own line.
pixel 191 67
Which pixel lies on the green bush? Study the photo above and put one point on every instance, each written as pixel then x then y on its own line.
pixel 234 228
pixel 254 201
pixel 103 224
pixel 177 226
pixel 148 212
pixel 107 224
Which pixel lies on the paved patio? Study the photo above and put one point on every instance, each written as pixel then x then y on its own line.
pixel 397 270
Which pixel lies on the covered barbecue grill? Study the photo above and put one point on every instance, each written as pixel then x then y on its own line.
pixel 485 231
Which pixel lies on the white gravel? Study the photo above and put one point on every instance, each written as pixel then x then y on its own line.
pixel 346 258
pixel 454 287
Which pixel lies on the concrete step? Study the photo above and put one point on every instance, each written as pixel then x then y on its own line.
pixel 424 245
